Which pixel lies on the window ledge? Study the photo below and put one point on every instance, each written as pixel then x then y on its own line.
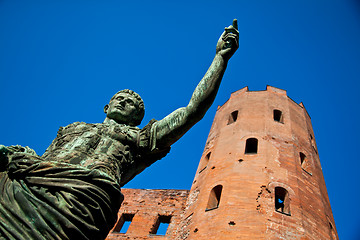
pixel 202 169
pixel 287 214
pixel 307 172
pixel 209 209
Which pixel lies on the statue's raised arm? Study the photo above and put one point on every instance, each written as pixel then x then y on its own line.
pixel 176 124
pixel 73 191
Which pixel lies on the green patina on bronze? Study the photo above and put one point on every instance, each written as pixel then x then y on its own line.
pixel 73 190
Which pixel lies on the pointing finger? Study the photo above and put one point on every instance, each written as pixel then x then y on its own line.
pixel 235 25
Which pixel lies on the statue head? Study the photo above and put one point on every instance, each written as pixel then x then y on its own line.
pixel 126 107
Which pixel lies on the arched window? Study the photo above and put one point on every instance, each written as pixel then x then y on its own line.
pixel 305 164
pixel 233 117
pixel 278 116
pixel 282 201
pixel 251 146
pixel 214 198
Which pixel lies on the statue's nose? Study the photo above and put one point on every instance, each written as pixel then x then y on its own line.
pixel 122 102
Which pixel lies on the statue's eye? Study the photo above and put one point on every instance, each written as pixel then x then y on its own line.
pixel 130 102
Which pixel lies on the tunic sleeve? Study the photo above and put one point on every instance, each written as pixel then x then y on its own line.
pixel 149 151
pixel 146 153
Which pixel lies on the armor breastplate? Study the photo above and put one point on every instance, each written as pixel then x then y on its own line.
pixel 107 147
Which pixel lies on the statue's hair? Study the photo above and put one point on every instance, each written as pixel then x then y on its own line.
pixel 141 105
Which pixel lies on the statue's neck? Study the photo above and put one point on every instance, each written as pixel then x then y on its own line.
pixel 112 121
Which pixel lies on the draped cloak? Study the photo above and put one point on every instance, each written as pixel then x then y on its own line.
pixel 73 190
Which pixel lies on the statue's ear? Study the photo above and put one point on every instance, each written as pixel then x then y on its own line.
pixel 106 108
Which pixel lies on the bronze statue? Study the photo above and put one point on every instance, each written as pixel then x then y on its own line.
pixel 73 190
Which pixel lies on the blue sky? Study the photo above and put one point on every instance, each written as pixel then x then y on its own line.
pixel 61 61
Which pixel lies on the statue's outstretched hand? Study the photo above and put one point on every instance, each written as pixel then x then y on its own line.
pixel 229 41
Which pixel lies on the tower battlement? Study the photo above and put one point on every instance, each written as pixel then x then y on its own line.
pixel 269 88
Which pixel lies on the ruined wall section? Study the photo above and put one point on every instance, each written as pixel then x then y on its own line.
pixel 148 208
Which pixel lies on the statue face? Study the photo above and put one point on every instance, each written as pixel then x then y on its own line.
pixel 123 108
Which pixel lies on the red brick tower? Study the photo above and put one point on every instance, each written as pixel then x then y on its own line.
pixel 260 175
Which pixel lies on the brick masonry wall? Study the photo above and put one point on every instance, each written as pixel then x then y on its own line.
pixel 147 205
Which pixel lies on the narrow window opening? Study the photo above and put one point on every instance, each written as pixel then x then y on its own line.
pixel 305 164
pixel 207 157
pixel 312 140
pixel 282 201
pixel 214 198
pixel 124 222
pixel 251 146
pixel 206 161
pixel 233 117
pixel 161 226
pixel 278 116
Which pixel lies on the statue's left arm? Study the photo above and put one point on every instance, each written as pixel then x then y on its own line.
pixel 176 124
